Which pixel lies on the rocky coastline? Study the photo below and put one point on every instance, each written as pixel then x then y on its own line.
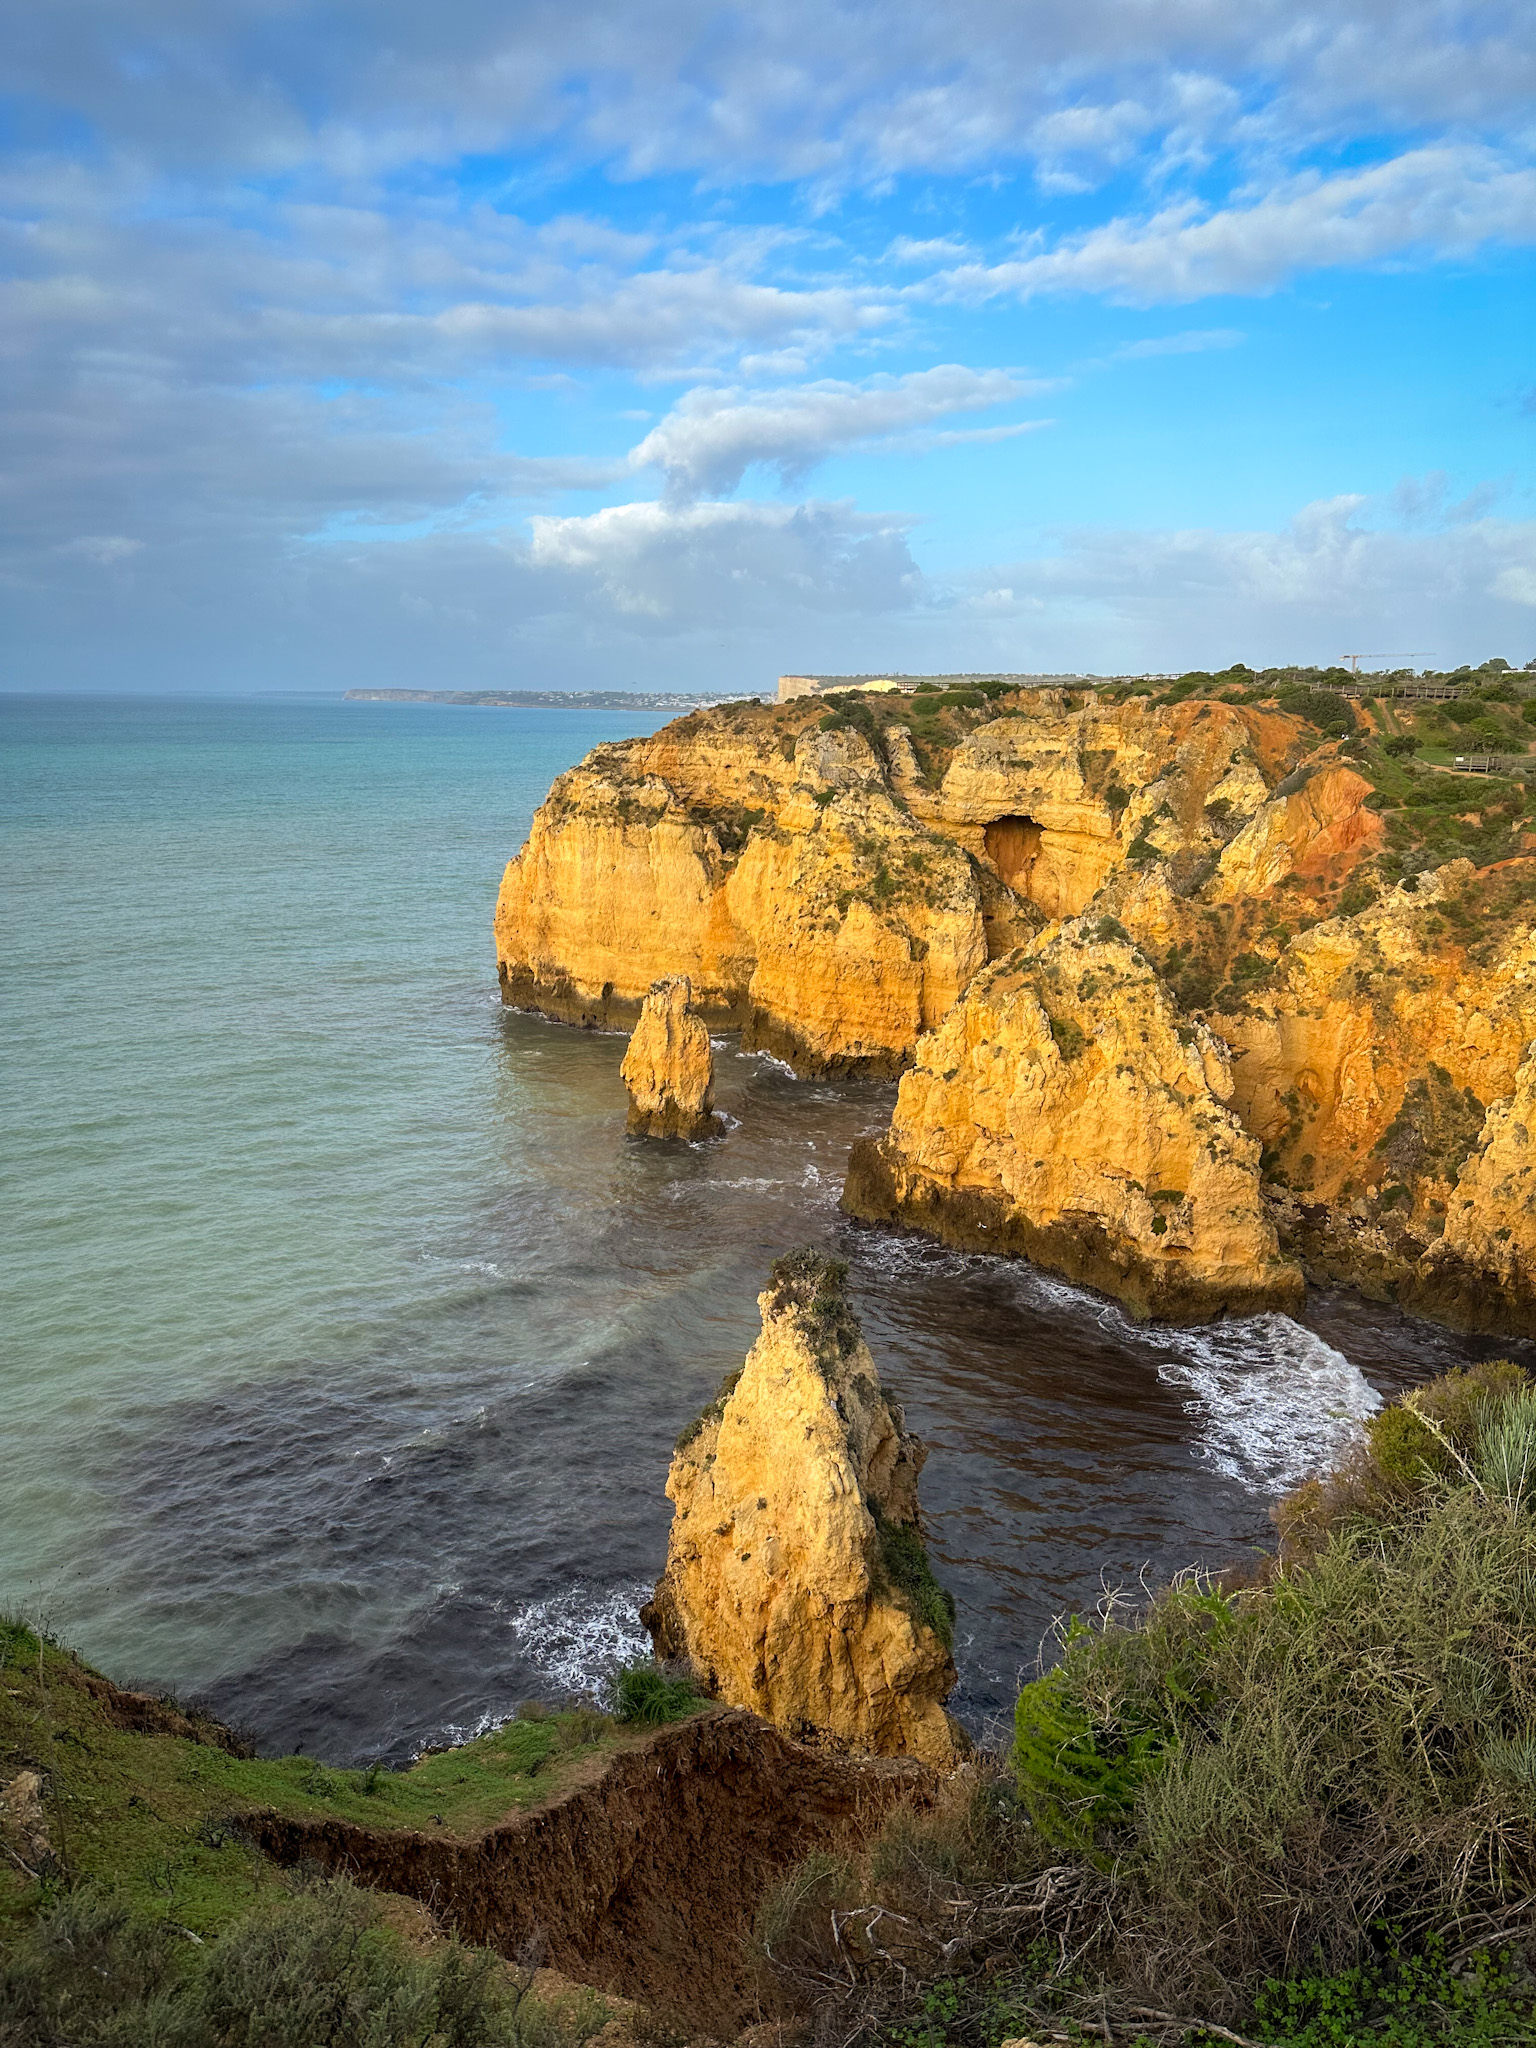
pixel 1185 1001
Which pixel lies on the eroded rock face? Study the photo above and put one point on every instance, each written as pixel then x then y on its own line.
pixel 829 894
pixel 1490 1224
pixel 1067 1111
pixel 669 1069
pixel 840 886
pixel 1379 1063
pixel 796 1583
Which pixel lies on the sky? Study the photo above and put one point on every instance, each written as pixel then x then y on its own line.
pixel 524 345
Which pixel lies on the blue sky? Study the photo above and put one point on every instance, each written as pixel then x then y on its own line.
pixel 531 345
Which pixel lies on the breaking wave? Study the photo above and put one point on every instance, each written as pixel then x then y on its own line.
pixel 1272 1400
pixel 577 1640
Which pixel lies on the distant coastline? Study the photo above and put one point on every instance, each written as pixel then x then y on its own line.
pixel 558 700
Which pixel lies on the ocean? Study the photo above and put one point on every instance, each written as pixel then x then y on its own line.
pixel 346 1334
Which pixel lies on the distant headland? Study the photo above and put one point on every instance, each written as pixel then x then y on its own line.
pixel 559 700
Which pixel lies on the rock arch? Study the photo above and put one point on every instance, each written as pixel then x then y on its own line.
pixel 1013 845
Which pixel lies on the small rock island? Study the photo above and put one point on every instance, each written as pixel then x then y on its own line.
pixel 669 1069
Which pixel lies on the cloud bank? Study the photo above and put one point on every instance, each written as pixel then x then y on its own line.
pixel 327 327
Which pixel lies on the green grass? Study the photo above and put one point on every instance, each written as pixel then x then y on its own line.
pixel 906 1570
pixel 1268 1770
pixel 644 1696
pixel 157 1817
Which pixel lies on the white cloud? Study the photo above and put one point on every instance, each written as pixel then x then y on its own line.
pixel 1328 581
pixel 936 249
pixel 1077 146
pixel 1440 202
pixel 799 90
pixel 1194 341
pixel 678 567
pixel 712 437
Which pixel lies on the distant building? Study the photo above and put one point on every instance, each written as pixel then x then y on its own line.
pixel 820 686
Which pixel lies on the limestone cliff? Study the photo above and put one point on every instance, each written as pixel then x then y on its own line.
pixel 669 1069
pixel 1378 1059
pixel 831 882
pixel 796 1582
pixel 1490 1223
pixel 1065 1110
pixel 819 917
pixel 847 880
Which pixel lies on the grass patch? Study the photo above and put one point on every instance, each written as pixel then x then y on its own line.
pixel 814 1288
pixel 1071 1039
pixel 158 1817
pixel 643 1696
pixel 904 1566
pixel 1435 1128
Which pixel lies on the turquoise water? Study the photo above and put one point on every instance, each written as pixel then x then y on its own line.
pixel 346 1334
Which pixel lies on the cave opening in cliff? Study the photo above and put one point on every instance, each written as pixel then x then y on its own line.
pixel 1012 845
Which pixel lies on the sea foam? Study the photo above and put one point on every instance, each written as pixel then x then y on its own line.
pixel 1273 1401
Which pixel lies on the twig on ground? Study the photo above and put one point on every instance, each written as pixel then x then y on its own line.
pixel 1173 2019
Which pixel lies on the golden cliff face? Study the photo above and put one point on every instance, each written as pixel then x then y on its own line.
pixel 669 1068
pixel 1057 800
pixel 795 1582
pixel 1379 1062
pixel 819 916
pixel 1066 1110
pixel 886 888
pixel 1490 1223
pixel 827 890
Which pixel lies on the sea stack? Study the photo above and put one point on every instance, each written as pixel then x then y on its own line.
pixel 796 1581
pixel 669 1068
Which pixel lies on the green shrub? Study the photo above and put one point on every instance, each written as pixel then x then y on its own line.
pixel 1072 1781
pixel 809 1282
pixel 644 1696
pixel 1406 1996
pixel 1271 1770
pixel 1069 1035
pixel 315 1967
pixel 904 1564
pixel 1330 714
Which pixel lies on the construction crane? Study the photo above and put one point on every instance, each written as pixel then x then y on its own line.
pixel 1354 660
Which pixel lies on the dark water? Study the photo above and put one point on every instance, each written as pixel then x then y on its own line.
pixel 349 1335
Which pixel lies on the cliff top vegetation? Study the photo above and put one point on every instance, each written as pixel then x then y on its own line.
pixel 133 1793
pixel 1297 1800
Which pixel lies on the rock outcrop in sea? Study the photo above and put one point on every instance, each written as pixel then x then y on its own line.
pixel 1309 965
pixel 796 1581
pixel 669 1069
